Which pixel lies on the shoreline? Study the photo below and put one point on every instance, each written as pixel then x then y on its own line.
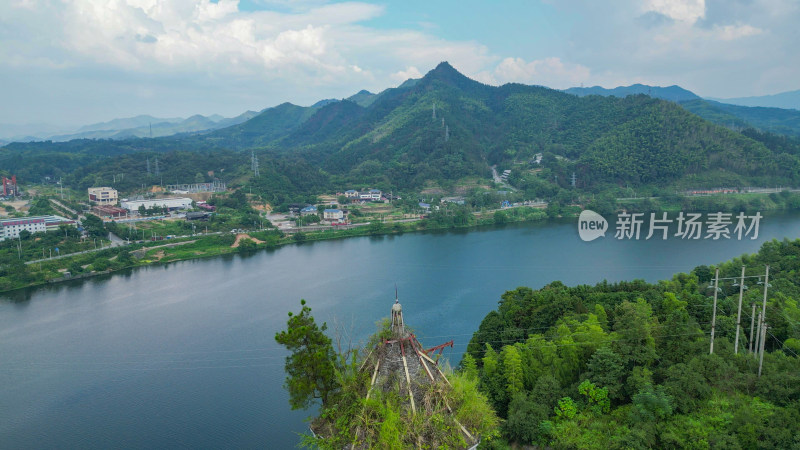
pixel 206 246
pixel 222 248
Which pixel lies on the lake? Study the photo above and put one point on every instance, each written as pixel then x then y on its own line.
pixel 184 355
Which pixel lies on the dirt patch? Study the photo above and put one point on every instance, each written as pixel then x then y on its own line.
pixel 158 255
pixel 241 236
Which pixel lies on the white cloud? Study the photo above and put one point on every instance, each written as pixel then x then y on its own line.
pixel 304 50
pixel 550 72
pixel 731 32
pixel 682 10
pixel 403 75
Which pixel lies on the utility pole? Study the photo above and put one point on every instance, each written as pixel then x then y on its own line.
pixel 761 356
pixel 714 312
pixel 752 325
pixel 758 337
pixel 764 306
pixel 739 314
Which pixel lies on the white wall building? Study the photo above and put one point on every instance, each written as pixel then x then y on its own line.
pixel 10 228
pixel 103 195
pixel 170 203
pixel 333 214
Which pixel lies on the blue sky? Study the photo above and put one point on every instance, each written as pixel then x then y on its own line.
pixel 80 61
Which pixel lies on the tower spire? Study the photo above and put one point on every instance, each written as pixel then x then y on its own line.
pixel 398 327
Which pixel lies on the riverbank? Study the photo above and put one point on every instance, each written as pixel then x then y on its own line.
pixel 114 259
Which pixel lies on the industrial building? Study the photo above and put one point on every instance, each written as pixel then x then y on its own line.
pixel 169 203
pixel 10 186
pixel 10 228
pixel 215 186
pixel 103 195
pixel 110 212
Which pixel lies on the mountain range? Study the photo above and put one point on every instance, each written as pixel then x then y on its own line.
pixel 785 100
pixel 771 119
pixel 672 93
pixel 446 126
pixel 132 127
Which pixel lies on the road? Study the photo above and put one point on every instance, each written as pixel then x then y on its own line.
pixel 499 180
pixel 63 207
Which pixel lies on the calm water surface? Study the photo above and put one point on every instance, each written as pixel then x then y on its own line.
pixel 184 355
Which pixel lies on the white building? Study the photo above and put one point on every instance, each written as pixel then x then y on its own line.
pixel 10 228
pixel 103 195
pixel 333 214
pixel 169 203
pixel 351 193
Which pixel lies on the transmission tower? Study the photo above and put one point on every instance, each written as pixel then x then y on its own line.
pixel 254 163
pixel 573 179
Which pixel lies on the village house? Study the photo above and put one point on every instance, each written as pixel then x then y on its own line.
pixel 333 214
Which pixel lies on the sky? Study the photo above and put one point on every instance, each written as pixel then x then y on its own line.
pixel 74 62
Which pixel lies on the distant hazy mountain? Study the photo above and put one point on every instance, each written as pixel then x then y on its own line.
pixel 774 120
pixel 672 93
pixel 243 117
pixel 363 98
pixel 131 127
pixel 786 100
pixel 127 123
pixel 324 102
pixel 31 131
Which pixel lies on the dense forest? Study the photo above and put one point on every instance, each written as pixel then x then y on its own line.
pixel 627 365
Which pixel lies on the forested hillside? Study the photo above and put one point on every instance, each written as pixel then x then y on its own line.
pixel 441 128
pixel 627 365
pixel 774 120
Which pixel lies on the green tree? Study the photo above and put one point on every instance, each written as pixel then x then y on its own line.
pixel 524 417
pixel 311 371
pixel 469 367
pixel 512 369
pixel 596 396
pixel 94 226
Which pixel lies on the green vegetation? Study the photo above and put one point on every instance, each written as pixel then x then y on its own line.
pixel 311 373
pixel 774 120
pixel 384 420
pixel 627 365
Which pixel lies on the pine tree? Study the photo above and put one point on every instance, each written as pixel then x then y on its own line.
pixel 310 368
